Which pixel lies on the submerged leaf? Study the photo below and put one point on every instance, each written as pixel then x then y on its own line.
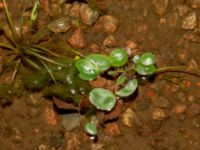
pixel 102 99
pixel 147 59
pixel 118 57
pixel 90 128
pixel 128 89
pixel 100 60
pixel 145 70
pixel 87 69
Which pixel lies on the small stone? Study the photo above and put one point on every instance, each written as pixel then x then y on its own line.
pixel 71 121
pixel 193 64
pixel 50 116
pixel 158 114
pixel 109 41
pixel 42 147
pixel 160 6
pixel 195 3
pixel 67 8
pixel 72 141
pixel 94 47
pixel 161 102
pixel 77 39
pixel 107 23
pixel 193 110
pixel 129 118
pixel 112 129
pixel 182 56
pixel 88 15
pixel 75 10
pixel 190 21
pixel 183 10
pixel 179 109
pixel 60 25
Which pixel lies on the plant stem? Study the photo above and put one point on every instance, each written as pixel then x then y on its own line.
pixel 45 50
pixel 16 69
pixel 186 70
pixel 9 47
pixel 30 52
pixel 74 51
pixel 10 20
pixel 115 72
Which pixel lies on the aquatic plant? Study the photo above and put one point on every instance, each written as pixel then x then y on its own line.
pixel 37 64
pixel 126 71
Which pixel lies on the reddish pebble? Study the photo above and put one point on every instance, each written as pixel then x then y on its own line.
pixel 179 109
pixel 112 129
pixel 107 23
pixel 158 114
pixel 50 116
pixel 77 39
pixel 109 41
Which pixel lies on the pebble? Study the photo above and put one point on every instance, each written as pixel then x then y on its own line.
pixel 50 116
pixel 129 118
pixel 75 10
pixel 77 39
pixel 109 41
pixel 158 114
pixel 160 6
pixel 88 15
pixel 71 121
pixel 193 110
pixel 107 23
pixel 183 10
pixel 190 21
pixel 179 109
pixel 72 141
pixel 112 129
pixel 195 3
pixel 66 8
pixel 161 102
pixel 60 25
pixel 42 147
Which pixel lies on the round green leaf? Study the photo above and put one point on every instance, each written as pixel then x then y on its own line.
pixel 118 57
pixel 102 99
pixel 101 61
pixel 87 77
pixel 148 59
pixel 121 79
pixel 87 69
pixel 128 89
pixel 90 128
pixel 145 70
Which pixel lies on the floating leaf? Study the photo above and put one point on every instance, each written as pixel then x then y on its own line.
pixel 118 57
pixel 147 59
pixel 87 69
pixel 145 70
pixel 102 99
pixel 87 77
pixel 121 79
pixel 90 128
pixel 128 89
pixel 100 60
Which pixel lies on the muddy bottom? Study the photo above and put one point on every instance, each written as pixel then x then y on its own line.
pixel 165 114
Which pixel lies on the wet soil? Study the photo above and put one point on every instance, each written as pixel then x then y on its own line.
pixel 165 112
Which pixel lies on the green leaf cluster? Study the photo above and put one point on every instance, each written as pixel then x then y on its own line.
pixel 145 64
pixel 92 65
